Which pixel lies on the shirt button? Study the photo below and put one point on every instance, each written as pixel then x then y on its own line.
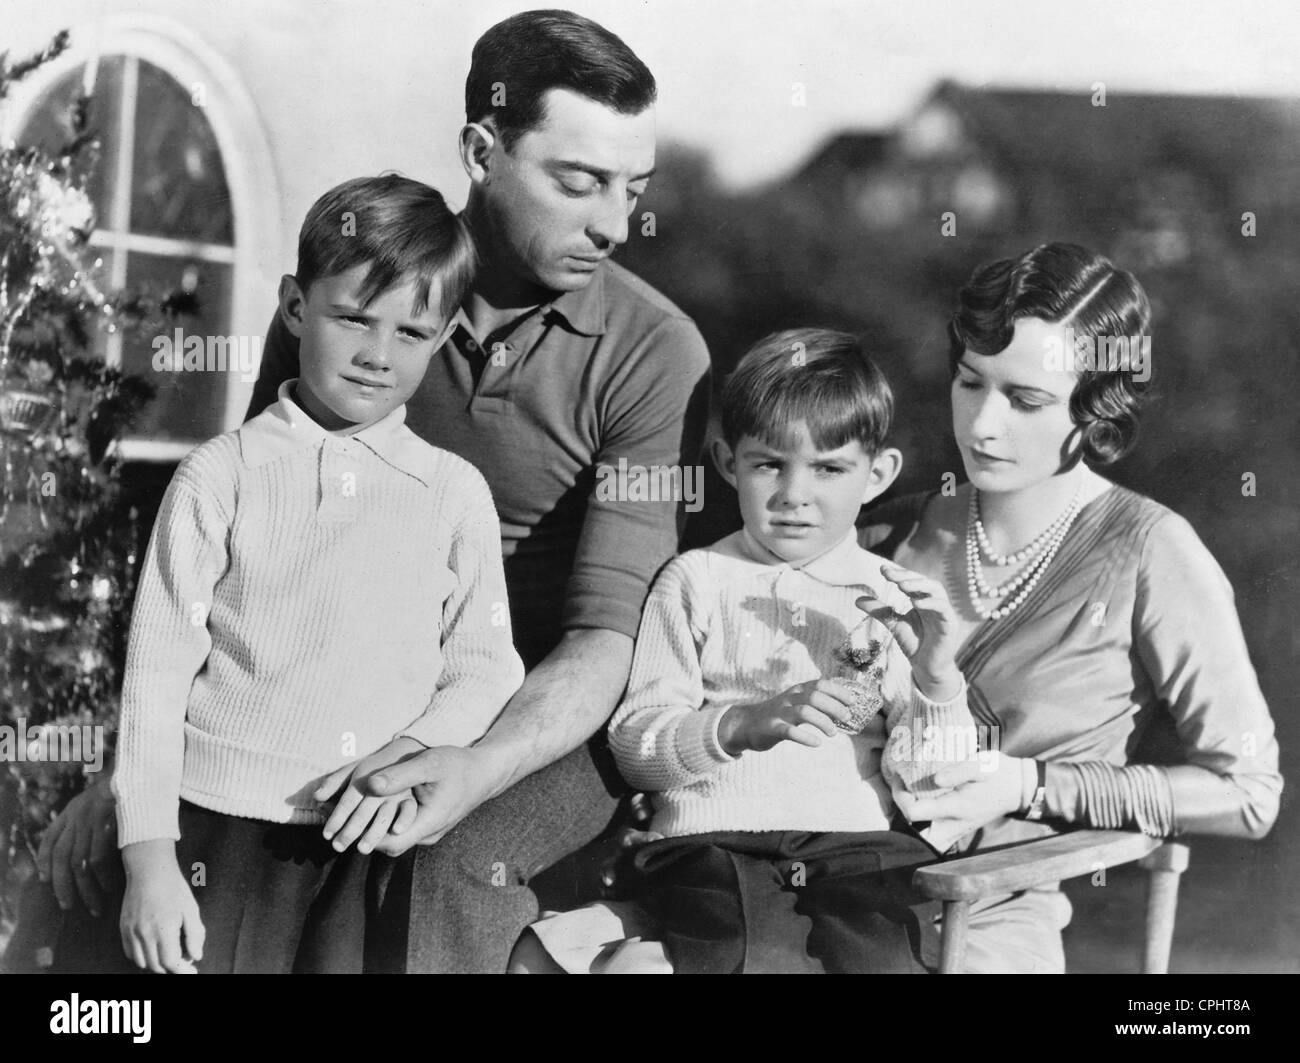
pixel 470 345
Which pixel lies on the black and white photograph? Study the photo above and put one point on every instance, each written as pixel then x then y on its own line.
pixel 650 487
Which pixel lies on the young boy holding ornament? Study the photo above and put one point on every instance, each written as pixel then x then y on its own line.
pixel 771 719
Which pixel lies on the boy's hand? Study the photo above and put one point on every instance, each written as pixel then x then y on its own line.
pixel 357 815
pixel 927 635
pixel 806 713
pixel 160 924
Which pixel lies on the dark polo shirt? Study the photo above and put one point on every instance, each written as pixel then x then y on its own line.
pixel 613 371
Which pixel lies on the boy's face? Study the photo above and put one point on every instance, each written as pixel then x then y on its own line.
pixel 797 500
pixel 358 365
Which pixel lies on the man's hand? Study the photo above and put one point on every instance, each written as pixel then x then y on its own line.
pixel 564 700
pixel 359 815
pixel 806 713
pixel 79 851
pixel 447 782
pixel 160 925
pixel 927 635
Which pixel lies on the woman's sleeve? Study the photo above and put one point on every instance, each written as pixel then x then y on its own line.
pixel 660 738
pixel 1188 640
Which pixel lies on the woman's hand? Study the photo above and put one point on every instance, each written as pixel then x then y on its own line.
pixel 927 635
pixel 982 791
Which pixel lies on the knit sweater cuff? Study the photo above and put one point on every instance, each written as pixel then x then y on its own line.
pixel 949 721
pixel 935 734
pixel 444 728
pixel 697 742
pixel 956 702
pixel 143 818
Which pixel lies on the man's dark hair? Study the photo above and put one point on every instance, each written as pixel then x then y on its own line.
pixel 517 61
pixel 1063 283
pixel 401 228
pixel 815 376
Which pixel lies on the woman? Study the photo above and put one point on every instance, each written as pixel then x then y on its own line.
pixel 1087 609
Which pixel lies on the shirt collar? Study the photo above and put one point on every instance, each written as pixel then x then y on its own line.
pixel 284 427
pixel 845 564
pixel 584 309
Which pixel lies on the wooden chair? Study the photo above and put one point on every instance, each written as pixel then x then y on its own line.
pixel 1063 856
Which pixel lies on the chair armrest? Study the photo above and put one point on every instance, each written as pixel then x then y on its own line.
pixel 1034 863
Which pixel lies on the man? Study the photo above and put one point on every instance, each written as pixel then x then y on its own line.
pixel 561 363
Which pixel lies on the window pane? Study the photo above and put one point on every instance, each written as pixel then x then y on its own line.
pixel 178 186
pixel 49 126
pixel 189 405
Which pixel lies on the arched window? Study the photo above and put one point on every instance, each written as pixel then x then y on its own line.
pixel 163 221
pixel 186 196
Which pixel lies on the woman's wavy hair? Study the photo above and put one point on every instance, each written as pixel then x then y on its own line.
pixel 1065 284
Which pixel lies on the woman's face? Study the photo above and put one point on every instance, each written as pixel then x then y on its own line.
pixel 1011 410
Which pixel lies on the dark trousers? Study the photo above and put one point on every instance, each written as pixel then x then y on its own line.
pixel 469 893
pixel 786 902
pixel 274 899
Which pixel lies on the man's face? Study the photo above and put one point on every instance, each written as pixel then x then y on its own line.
pixel 358 364
pixel 558 202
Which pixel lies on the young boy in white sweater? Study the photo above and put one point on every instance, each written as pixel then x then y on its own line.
pixel 785 681
pixel 323 596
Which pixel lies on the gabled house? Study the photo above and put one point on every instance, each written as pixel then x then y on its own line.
pixel 1016 160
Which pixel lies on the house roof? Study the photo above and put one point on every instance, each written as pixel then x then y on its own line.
pixel 1216 137
pixel 848 152
pixel 1025 131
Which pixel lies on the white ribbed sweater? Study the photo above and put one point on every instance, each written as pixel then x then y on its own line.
pixel 305 598
pixel 722 628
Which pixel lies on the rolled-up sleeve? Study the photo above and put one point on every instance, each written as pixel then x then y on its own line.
pixel 647 475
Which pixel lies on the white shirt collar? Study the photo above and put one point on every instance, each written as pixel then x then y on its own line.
pixel 285 427
pixel 845 564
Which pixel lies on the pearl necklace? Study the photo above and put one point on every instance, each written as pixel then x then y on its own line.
pixel 1041 550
